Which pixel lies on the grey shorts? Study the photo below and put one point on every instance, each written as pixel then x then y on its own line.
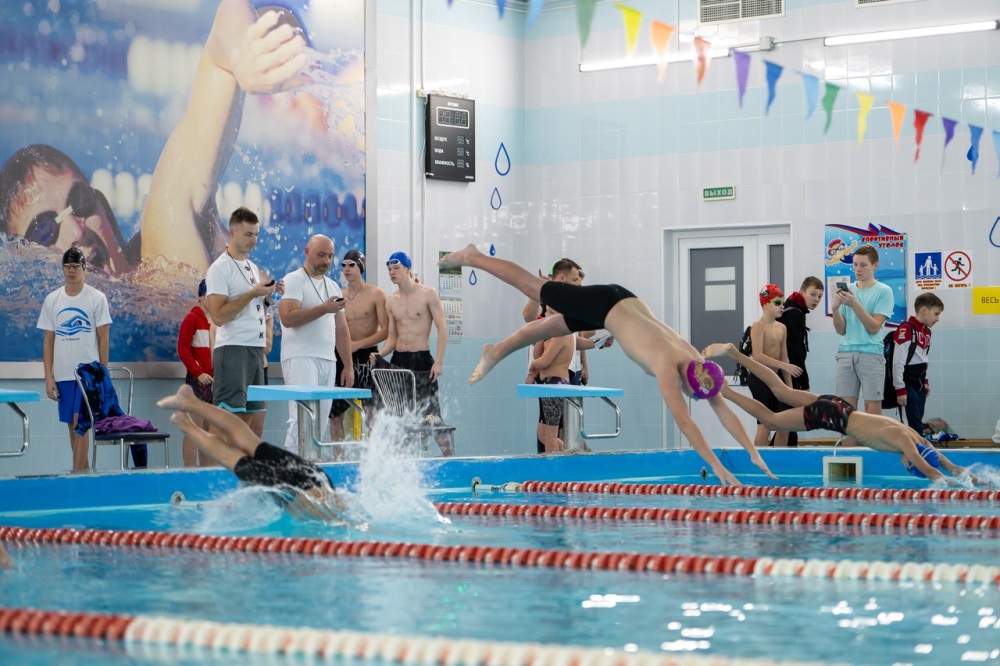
pixel 236 368
pixel 860 372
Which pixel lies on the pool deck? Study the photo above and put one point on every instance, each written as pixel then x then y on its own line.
pixel 144 487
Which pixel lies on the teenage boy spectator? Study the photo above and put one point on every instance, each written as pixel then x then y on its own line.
pixel 797 306
pixel 75 318
pixel 910 379
pixel 235 303
pixel 194 348
pixel 412 309
pixel 859 312
pixel 550 364
pixel 767 339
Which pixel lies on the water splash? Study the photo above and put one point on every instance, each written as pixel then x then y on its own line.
pixel 495 200
pixel 473 278
pixel 493 250
pixel 502 161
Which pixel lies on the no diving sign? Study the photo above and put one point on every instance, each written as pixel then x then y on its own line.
pixel 958 269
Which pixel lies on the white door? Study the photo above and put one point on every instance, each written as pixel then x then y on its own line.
pixel 718 275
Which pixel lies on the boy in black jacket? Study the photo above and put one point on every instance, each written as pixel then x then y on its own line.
pixel 797 306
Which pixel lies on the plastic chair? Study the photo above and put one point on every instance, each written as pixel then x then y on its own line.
pixel 122 380
pixel 397 388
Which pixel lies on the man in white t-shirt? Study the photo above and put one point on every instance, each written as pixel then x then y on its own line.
pixel 236 289
pixel 75 319
pixel 314 329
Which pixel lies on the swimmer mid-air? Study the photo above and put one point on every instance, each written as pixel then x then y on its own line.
pixel 301 487
pixel 827 412
pixel 655 347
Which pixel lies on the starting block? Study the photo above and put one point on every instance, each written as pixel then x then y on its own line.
pixel 573 428
pixel 11 398
pixel 307 400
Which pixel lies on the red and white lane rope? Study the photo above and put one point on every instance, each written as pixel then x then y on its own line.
pixel 885 521
pixel 140 631
pixel 524 557
pixel 613 488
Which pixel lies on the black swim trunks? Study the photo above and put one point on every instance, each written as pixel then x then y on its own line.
pixel 420 362
pixel 584 308
pixel 551 408
pixel 362 377
pixel 829 412
pixel 274 467
pixel 762 393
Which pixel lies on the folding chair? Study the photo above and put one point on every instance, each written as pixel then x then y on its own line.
pixel 122 380
pixel 397 388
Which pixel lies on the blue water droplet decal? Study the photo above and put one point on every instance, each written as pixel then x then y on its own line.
pixel 472 277
pixel 495 200
pixel 994 236
pixel 502 161
pixel 493 250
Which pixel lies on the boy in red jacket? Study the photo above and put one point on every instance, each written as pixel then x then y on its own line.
pixel 909 371
pixel 195 350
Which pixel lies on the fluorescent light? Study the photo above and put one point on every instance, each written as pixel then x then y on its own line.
pixel 960 28
pixel 646 61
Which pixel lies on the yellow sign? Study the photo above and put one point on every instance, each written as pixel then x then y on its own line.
pixel 986 300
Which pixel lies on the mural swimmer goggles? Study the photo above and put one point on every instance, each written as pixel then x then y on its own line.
pixel 82 202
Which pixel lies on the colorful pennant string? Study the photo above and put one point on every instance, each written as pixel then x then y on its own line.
pixel 973 154
pixel 919 122
pixel 866 101
pixel 701 47
pixel 829 99
pixel 742 61
pixel 774 71
pixel 949 134
pixel 660 34
pixel 633 21
pixel 898 112
pixel 534 11
pixel 584 17
pixel 812 92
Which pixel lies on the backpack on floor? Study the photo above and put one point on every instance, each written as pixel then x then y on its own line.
pixel 888 349
pixel 742 374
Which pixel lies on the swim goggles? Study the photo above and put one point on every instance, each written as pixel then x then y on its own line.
pixel 44 227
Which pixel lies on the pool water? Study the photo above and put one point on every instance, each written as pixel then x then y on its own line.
pixel 767 617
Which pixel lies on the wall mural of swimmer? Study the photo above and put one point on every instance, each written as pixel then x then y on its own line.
pixel 132 130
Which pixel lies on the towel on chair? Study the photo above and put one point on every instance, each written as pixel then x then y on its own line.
pixel 123 423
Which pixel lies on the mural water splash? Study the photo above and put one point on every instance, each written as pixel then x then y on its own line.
pixel 496 201
pixel 502 161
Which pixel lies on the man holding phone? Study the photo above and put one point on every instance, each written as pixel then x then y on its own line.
pixel 859 312
pixel 314 329
pixel 235 293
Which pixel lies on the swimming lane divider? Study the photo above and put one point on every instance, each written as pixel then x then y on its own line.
pixel 523 557
pixel 609 488
pixel 164 637
pixel 751 517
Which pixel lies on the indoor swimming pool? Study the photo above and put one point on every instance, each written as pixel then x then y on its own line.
pixel 655 562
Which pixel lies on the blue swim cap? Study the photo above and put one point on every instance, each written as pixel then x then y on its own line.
pixel 927 453
pixel 400 257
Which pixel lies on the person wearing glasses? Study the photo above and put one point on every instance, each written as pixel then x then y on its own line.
pixel 75 318
pixel 314 330
pixel 769 341
pixel 369 324
pixel 412 309
pixel 46 199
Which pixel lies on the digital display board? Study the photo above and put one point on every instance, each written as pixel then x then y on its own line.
pixel 450 138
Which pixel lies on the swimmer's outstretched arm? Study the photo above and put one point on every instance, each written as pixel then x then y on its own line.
pixel 242 54
pixel 782 391
pixel 956 470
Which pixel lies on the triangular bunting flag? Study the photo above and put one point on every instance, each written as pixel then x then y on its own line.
pixel 919 122
pixel 660 34
pixel 897 111
pixel 500 6
pixel 584 17
pixel 812 92
pixel 742 61
pixel 829 99
pixel 534 10
pixel 633 19
pixel 774 71
pixel 866 101
pixel 701 47
pixel 949 134
pixel 973 154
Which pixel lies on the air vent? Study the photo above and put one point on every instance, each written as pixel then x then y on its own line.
pixel 869 3
pixel 715 11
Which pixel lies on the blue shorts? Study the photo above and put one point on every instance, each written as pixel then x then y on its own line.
pixel 69 400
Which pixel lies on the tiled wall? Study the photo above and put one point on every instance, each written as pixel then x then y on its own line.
pixel 603 162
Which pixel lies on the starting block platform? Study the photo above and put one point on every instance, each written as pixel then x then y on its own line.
pixel 574 433
pixel 307 400
pixel 11 398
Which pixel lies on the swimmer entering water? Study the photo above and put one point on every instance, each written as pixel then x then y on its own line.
pixel 655 347
pixel 829 412
pixel 302 487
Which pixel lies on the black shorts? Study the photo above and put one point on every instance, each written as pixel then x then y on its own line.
pixel 420 362
pixel 362 377
pixel 584 308
pixel 274 467
pixel 763 394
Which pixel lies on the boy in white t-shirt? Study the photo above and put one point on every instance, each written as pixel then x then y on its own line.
pixel 75 318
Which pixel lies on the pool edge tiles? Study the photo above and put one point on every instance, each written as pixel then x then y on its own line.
pixel 158 486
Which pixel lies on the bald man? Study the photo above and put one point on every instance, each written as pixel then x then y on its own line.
pixel 314 330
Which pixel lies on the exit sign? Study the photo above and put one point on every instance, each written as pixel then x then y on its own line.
pixel 718 193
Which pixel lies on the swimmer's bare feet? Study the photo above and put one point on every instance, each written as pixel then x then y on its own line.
pixel 719 349
pixel 181 400
pixel 486 364
pixel 183 421
pixel 459 257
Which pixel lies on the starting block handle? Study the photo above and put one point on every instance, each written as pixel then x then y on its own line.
pixel 574 412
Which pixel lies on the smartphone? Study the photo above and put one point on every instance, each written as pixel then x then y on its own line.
pixel 270 284
pixel 842 286
pixel 338 299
